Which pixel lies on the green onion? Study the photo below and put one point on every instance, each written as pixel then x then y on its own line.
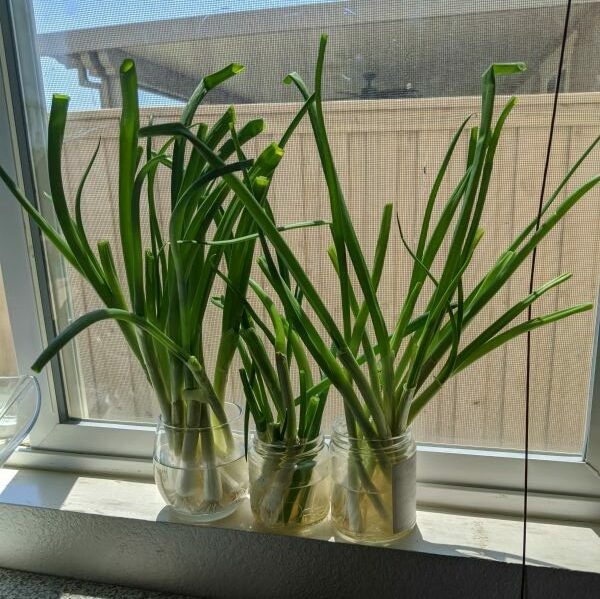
pixel 407 364
pixel 162 307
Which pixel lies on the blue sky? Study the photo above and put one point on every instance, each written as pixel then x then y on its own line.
pixel 53 16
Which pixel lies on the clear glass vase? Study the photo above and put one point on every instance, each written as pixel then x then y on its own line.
pixel 373 490
pixel 289 484
pixel 201 472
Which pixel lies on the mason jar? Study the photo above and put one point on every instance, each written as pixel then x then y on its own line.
pixel 289 484
pixel 201 472
pixel 373 490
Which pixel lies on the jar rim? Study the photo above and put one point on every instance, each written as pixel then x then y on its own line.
pixel 233 411
pixel 307 444
pixel 340 430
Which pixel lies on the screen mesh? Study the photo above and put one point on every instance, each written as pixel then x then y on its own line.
pixel 399 79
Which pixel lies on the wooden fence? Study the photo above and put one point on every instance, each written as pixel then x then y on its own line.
pixel 389 151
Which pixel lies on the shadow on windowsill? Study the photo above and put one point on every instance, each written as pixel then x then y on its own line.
pixel 38 489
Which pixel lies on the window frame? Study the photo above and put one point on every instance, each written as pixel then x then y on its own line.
pixel 117 448
pixel 24 287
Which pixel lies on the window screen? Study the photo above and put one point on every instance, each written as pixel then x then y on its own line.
pixel 400 78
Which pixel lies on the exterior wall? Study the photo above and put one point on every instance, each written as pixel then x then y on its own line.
pixel 389 151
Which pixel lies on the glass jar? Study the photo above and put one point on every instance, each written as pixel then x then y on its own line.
pixel 373 491
pixel 289 484
pixel 201 472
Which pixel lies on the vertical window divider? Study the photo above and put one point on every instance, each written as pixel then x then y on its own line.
pixel 592 448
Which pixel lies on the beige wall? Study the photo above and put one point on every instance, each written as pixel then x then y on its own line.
pixel 389 151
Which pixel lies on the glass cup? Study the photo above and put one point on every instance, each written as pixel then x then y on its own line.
pixel 201 472
pixel 373 490
pixel 289 484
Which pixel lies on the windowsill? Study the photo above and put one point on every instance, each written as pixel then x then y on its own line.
pixel 43 516
pixel 574 546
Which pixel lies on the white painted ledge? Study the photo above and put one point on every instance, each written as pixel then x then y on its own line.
pixel 118 531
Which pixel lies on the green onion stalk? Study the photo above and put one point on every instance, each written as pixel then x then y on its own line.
pixel 161 305
pixel 288 424
pixel 386 374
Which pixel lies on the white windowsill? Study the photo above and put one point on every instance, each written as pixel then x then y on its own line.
pixel 572 546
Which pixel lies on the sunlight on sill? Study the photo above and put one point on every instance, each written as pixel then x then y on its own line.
pixel 574 546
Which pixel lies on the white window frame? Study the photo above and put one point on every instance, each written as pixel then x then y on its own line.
pixel 447 475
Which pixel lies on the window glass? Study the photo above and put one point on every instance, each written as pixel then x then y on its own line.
pixel 8 360
pixel 400 78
